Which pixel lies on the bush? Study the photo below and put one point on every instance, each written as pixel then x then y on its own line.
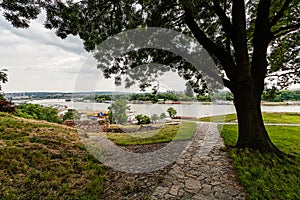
pixel 6 106
pixel 172 112
pixel 162 115
pixel 2 97
pixel 72 114
pixel 154 118
pixel 143 119
pixel 38 112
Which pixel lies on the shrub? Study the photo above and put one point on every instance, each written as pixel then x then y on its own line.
pixel 172 112
pixel 6 106
pixel 39 112
pixel 72 114
pixel 154 118
pixel 162 115
pixel 142 119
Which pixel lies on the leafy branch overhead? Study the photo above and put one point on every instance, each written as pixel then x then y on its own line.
pixel 3 77
pixel 221 27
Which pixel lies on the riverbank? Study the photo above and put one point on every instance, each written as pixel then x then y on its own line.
pixel 195 109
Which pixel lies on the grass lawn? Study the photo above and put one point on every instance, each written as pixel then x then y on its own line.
pixel 285 118
pixel 40 159
pixel 183 131
pixel 263 175
pixel 219 118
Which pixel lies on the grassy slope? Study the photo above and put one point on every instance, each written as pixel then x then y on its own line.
pixel 265 176
pixel 285 118
pixel 43 159
pixel 183 131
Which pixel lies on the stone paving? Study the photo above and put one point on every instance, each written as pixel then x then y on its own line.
pixel 203 170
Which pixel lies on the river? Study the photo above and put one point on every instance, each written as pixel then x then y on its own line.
pixel 193 110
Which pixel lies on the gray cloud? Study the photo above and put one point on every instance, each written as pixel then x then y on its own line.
pixel 37 60
pixel 40 34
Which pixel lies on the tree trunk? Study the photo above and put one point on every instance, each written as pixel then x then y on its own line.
pixel 252 132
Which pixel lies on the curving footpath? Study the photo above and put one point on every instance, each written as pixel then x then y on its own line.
pixel 203 170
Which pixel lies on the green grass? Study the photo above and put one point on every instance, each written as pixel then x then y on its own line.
pixel 264 175
pixel 285 118
pixel 183 131
pixel 40 159
pixel 219 118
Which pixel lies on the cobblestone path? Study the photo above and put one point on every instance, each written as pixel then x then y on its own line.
pixel 202 171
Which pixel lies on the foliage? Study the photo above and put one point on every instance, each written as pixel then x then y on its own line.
pixel 3 78
pixel 72 114
pixel 69 18
pixel 39 112
pixel 6 106
pixel 39 159
pixel 203 98
pixel 266 176
pixel 110 117
pixel 167 133
pixel 117 111
pixel 280 96
pixel 162 115
pixel 268 95
pixel 154 118
pixel 248 41
pixel 169 95
pixel 172 112
pixel 142 119
pixel 189 90
pixel 154 97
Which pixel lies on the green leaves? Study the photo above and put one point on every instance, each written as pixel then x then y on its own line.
pixel 72 114
pixel 172 112
pixel 3 77
pixel 117 112
pixel 34 111
pixel 97 20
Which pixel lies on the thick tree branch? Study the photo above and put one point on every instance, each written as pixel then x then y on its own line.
pixel 280 13
pixel 227 26
pixel 240 40
pixel 223 56
pixel 261 40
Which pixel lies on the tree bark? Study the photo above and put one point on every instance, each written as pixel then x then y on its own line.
pixel 252 132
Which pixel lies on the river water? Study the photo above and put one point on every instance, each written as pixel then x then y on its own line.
pixel 192 110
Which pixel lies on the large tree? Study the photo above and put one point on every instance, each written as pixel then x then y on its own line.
pixel 249 41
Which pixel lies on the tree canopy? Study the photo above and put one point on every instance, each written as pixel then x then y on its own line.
pixel 249 41
pixel 233 32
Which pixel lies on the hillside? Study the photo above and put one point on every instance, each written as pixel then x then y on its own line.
pixel 41 159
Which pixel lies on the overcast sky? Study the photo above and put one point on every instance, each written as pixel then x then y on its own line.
pixel 37 60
